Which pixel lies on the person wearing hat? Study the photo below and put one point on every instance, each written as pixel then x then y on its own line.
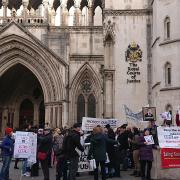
pixel 7 148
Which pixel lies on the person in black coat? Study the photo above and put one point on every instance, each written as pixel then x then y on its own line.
pixel 123 146
pixel 71 146
pixel 98 150
pixel 45 146
pixel 111 150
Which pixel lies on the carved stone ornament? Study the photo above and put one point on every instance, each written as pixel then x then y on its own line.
pixel 109 28
pixel 86 86
pixel 133 53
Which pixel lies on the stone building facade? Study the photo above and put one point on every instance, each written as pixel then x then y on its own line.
pixel 61 60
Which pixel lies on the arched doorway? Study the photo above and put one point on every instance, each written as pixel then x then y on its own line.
pixel 26 113
pixel 20 96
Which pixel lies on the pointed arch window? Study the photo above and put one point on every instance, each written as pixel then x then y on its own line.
pixel 168 75
pixel 167 27
pixel 80 108
pixel 91 106
pixel 86 100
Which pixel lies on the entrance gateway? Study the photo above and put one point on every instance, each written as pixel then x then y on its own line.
pixel 31 81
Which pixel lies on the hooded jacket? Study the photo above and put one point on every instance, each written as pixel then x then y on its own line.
pixel 7 146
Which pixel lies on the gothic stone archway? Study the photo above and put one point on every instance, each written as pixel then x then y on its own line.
pixel 23 48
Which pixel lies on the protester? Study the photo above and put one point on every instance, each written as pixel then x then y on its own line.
pixel 7 148
pixel 98 151
pixel 123 146
pixel 71 146
pixel 61 166
pixel 135 149
pixel 26 166
pixel 146 156
pixel 45 146
pixel 153 131
pixel 111 151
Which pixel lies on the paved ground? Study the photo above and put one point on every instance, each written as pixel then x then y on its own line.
pixel 16 175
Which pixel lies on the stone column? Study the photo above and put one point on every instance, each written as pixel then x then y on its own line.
pixel 46 13
pixel 108 93
pixel 64 15
pixel 4 4
pixel 77 13
pixel 90 13
pixel 58 115
pixel 47 113
pixel 36 114
pixel 25 5
pixel 53 15
pixel 53 114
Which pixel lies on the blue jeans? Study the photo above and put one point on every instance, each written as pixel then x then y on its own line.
pixel 25 167
pixel 4 175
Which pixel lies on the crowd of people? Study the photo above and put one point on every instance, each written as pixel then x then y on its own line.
pixel 113 150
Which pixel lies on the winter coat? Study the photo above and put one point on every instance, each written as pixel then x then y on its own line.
pixel 98 147
pixel 135 142
pixel 45 143
pixel 145 151
pixel 123 141
pixel 57 143
pixel 70 143
pixel 7 146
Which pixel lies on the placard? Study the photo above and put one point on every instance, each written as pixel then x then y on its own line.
pixel 169 137
pixel 25 145
pixel 149 139
pixel 84 164
pixel 89 123
pixel 149 113
pixel 170 158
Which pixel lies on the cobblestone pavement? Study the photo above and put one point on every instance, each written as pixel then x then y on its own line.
pixel 15 174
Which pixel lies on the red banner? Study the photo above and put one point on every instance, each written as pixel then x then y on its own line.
pixel 170 158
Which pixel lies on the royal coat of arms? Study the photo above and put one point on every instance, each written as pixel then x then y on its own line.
pixel 133 53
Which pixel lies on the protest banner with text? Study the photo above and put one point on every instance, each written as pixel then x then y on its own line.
pixel 170 158
pixel 89 123
pixel 169 137
pixel 84 165
pixel 25 145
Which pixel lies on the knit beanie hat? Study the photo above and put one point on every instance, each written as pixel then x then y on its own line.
pixel 8 131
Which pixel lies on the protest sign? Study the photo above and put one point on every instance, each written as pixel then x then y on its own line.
pixel 84 164
pixel 170 158
pixel 169 137
pixel 149 139
pixel 89 123
pixel 25 146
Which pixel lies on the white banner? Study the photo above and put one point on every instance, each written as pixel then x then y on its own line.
pixel 84 164
pixel 89 123
pixel 131 115
pixel 25 145
pixel 169 137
